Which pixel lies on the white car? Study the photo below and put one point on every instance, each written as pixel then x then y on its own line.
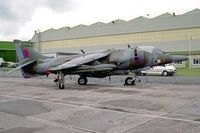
pixel 164 70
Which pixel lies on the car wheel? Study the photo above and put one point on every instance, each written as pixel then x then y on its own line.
pixel 164 73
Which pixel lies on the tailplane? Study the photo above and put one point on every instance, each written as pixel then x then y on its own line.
pixel 27 57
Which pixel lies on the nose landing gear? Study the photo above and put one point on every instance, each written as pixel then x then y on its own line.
pixel 129 81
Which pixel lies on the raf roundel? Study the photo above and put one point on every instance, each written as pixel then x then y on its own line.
pixel 26 53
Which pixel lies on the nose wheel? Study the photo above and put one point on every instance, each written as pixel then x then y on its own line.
pixel 129 81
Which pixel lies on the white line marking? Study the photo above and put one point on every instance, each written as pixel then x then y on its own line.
pixel 55 124
pixel 46 121
pixel 144 115
pixel 44 101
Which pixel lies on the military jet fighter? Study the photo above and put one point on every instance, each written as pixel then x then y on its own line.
pixel 97 64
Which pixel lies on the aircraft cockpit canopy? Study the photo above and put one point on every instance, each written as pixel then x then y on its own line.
pixel 151 49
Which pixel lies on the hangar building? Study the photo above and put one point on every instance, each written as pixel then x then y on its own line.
pixel 176 34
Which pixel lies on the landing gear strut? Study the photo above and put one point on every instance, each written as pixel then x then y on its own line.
pixel 60 79
pixel 131 80
pixel 82 80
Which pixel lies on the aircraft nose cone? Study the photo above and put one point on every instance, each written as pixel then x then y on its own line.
pixel 178 58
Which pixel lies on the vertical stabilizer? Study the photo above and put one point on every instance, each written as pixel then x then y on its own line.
pixel 24 53
pixel 19 53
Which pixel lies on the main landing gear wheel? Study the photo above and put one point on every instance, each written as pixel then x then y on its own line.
pixel 60 80
pixel 61 86
pixel 129 81
pixel 82 81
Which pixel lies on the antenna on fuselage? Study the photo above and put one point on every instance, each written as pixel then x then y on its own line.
pixel 82 51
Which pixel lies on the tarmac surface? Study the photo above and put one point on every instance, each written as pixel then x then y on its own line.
pixel 37 106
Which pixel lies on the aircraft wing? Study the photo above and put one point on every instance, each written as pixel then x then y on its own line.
pixel 81 60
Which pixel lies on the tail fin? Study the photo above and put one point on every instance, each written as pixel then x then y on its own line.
pixel 24 53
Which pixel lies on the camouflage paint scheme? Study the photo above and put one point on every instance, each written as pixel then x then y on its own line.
pixel 97 64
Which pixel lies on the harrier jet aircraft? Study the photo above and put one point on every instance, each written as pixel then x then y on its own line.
pixel 97 64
